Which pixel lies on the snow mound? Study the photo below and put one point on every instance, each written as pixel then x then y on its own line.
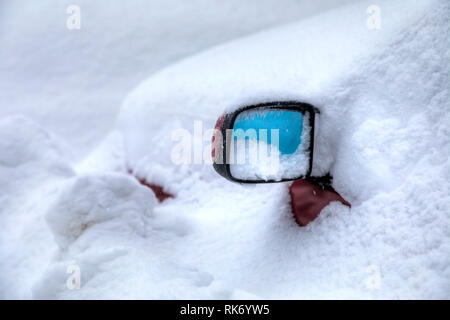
pixel 32 163
pixel 113 199
pixel 25 145
pixel 107 228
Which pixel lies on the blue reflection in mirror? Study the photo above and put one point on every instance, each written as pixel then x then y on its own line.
pixel 288 122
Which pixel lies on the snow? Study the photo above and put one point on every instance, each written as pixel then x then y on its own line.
pixel 32 164
pixel 384 102
pixel 254 159
pixel 383 133
pixel 257 160
pixel 112 199
pixel 73 81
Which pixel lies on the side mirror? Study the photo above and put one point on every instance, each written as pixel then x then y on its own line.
pixel 268 142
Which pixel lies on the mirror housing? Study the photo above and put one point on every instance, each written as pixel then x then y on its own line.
pixel 294 123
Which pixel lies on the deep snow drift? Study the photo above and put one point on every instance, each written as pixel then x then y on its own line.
pixel 384 135
pixel 73 81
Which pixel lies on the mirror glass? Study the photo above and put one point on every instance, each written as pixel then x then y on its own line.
pixel 269 145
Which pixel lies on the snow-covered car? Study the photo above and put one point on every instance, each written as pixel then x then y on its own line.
pixel 384 101
pixel 378 74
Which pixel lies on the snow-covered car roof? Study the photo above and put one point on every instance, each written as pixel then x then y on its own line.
pixel 384 101
pixel 352 73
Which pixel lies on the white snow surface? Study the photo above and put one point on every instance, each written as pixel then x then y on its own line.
pixel 257 160
pixel 70 80
pixel 384 135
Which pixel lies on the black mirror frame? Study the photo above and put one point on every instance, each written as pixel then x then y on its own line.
pixel 228 123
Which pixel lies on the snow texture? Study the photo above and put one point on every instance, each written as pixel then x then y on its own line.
pixel 251 158
pixel 257 160
pixel 383 133
pixel 74 81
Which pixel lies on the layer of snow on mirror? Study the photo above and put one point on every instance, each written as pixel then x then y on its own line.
pixel 253 159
